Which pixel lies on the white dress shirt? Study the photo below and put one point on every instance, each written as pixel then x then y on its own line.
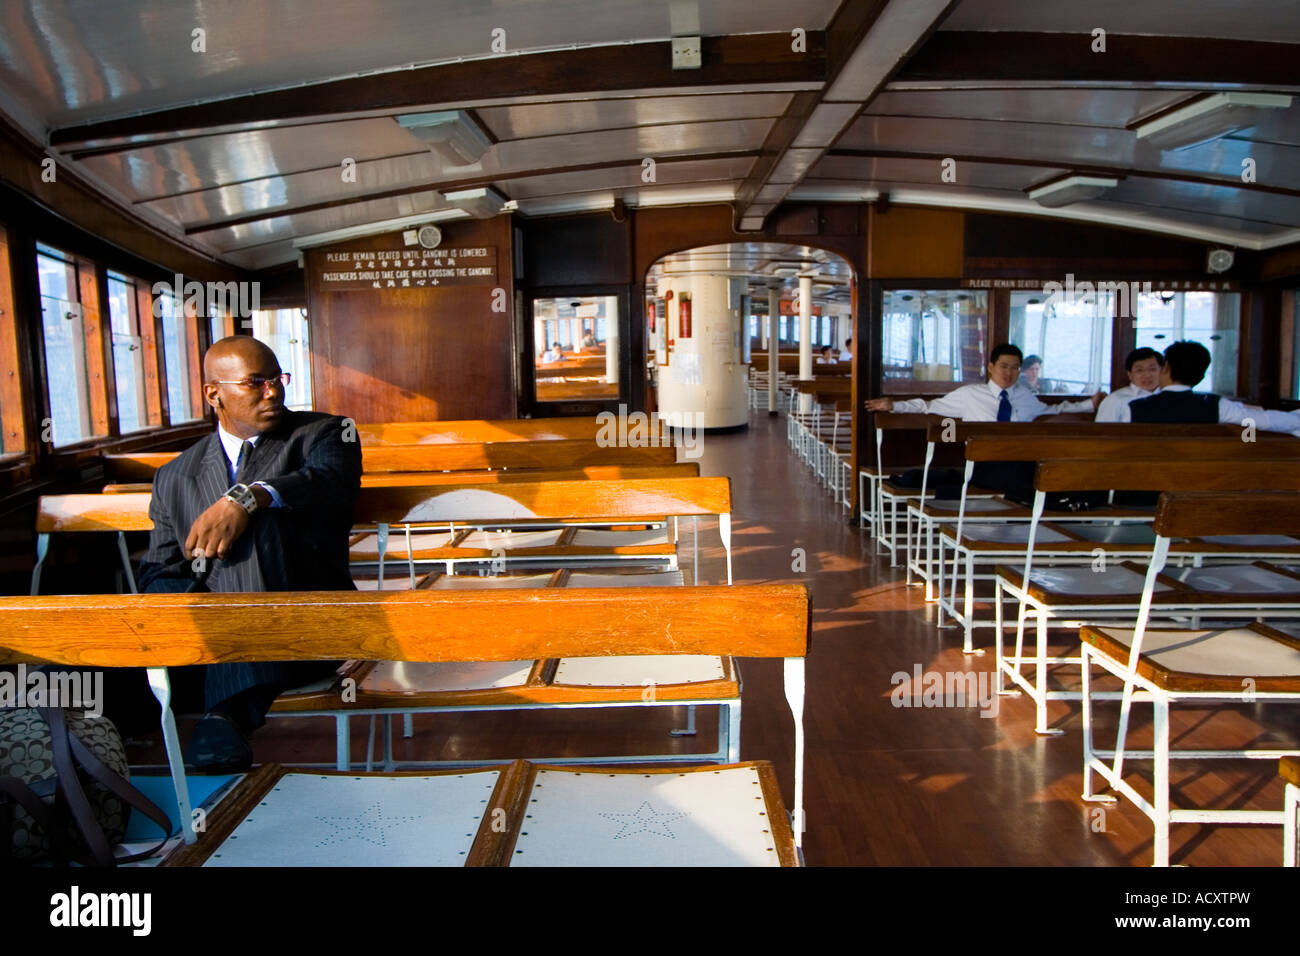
pixel 1109 409
pixel 1234 413
pixel 846 355
pixel 231 445
pixel 979 403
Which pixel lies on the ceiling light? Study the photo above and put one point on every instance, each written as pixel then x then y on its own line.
pixel 1208 118
pixel 1071 189
pixel 482 203
pixel 451 133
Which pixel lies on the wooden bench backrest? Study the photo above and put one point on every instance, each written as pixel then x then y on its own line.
pixel 561 453
pixel 523 500
pixel 1226 448
pixel 166 630
pixel 954 430
pixel 1164 474
pixel 460 432
pixel 548 500
pixel 136 467
pixel 1194 515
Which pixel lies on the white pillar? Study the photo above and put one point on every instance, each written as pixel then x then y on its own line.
pixel 540 342
pixel 575 332
pixel 773 347
pixel 805 339
pixel 611 339
pixel 703 377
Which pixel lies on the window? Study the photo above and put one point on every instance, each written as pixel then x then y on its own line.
pixel 933 336
pixel 1071 335
pixel 73 354
pixel 572 338
pixel 128 354
pixel 180 354
pixel 285 331
pixel 1211 318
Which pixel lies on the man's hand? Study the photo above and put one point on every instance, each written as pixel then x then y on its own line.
pixel 214 531
pixel 1097 399
pixel 879 404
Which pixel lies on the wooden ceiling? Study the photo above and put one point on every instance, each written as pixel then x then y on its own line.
pixel 237 149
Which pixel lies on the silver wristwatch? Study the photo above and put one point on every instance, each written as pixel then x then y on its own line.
pixel 243 496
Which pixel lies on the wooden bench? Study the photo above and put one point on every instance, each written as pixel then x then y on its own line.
pixel 1253 665
pixel 735 804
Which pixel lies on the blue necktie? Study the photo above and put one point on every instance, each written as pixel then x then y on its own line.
pixel 1004 408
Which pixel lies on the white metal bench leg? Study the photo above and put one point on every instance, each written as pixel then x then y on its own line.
pixel 126 562
pixel 408 726
pixel 729 729
pixel 794 695
pixel 1290 824
pixel 689 729
pixel 42 549
pixel 1160 801
pixel 342 742
pixel 161 686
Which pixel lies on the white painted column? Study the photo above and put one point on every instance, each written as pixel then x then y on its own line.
pixel 611 339
pixel 703 376
pixel 773 347
pixel 540 341
pixel 805 339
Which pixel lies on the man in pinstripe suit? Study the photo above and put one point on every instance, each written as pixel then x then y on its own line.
pixel 267 503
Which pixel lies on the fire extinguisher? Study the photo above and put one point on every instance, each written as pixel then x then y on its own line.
pixel 684 316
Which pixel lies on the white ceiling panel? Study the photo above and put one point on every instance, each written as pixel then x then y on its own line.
pixel 75 62
pixel 609 145
pixel 625 177
pixel 576 116
pixel 870 169
pixel 323 220
pixel 1069 106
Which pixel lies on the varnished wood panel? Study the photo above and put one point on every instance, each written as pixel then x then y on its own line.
pixel 11 400
pixel 414 354
pixel 908 242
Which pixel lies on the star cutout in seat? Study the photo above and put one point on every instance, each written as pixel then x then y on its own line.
pixel 644 820
pixel 369 826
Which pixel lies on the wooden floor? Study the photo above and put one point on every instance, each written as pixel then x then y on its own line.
pixel 885 785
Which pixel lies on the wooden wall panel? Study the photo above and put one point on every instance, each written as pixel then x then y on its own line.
pixel 414 354
pixel 907 242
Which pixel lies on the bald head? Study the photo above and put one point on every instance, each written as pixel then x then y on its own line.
pixel 235 349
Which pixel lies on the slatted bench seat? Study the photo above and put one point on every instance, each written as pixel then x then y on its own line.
pixel 158 631
pixel 458 432
pixel 1253 664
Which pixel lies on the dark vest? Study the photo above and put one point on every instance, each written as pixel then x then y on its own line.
pixel 1180 407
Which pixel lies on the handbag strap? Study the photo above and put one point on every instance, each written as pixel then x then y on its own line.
pixel 70 789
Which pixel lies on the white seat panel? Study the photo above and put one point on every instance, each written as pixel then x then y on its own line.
pixel 325 820
pixel 512 539
pixel 467 582
pixel 588 538
pixel 1246 578
pixel 649 579
pixel 1132 533
pixel 1221 653
pixel 397 677
pixel 977 505
pixel 705 818
pixel 394 582
pixel 1254 540
pixel 368 547
pixel 638 670
pixel 1085 581
pixel 1005 534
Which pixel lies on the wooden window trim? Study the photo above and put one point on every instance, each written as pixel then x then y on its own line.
pixel 13 431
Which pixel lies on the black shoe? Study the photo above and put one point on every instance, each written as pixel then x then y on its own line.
pixel 218 746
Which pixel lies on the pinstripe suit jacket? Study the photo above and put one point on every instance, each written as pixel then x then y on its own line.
pixel 300 547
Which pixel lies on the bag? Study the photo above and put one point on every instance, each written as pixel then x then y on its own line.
pixel 47 808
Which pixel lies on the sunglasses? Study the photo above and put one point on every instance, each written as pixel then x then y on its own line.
pixel 257 383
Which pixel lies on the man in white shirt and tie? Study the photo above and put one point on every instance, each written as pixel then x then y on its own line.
pixel 1143 366
pixel 1003 398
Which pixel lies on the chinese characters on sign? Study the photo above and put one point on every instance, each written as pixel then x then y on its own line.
pixel 410 268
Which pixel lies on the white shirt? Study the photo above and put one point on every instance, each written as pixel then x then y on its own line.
pixel 231 445
pixel 1234 413
pixel 846 355
pixel 1109 409
pixel 979 403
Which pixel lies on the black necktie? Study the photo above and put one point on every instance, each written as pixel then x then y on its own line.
pixel 245 450
pixel 1004 408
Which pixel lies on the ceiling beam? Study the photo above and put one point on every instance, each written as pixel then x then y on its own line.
pixel 761 58
pixel 483 179
pixel 867 41
pixel 967 59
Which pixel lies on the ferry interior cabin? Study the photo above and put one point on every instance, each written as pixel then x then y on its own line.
pixel 650 432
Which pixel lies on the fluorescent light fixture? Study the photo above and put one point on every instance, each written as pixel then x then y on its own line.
pixel 482 203
pixel 1071 189
pixel 1208 118
pixel 452 133
pixel 376 228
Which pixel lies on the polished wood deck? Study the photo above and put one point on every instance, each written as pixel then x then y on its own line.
pixel 885 785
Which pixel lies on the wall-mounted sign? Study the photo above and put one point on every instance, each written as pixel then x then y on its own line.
pixel 409 268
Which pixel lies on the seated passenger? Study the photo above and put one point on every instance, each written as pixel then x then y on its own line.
pixel 846 354
pixel 553 354
pixel 826 358
pixel 1003 398
pixel 1185 367
pixel 1143 368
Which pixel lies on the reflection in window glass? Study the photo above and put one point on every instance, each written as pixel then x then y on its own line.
pixel 128 354
pixel 576 338
pixel 1211 318
pixel 937 336
pixel 285 331
pixel 177 358
pixel 65 347
pixel 1072 337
